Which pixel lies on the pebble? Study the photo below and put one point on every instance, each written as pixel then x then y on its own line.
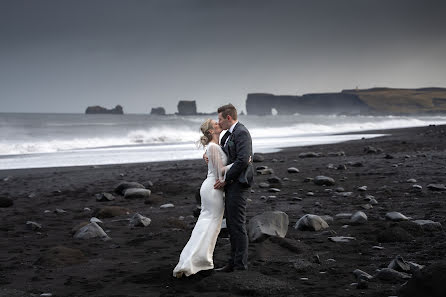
pixel 95 220
pixel 321 180
pixel 274 190
pixel 59 210
pixel 377 247
pixel 362 188
pixel 366 206
pixel 341 238
pixel 411 180
pixel 168 205
pixel 417 187
pixel 264 185
pixel 33 225
pixel 293 170
pixel 310 194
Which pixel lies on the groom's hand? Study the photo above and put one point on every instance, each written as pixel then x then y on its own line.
pixel 219 184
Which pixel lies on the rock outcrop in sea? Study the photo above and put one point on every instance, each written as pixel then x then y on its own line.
pixel 101 110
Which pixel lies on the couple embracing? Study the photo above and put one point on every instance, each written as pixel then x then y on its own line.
pixel 225 189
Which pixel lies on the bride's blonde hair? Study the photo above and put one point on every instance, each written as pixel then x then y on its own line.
pixel 207 134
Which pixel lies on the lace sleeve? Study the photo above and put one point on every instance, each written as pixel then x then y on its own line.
pixel 214 155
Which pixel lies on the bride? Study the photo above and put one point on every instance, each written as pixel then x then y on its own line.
pixel 198 253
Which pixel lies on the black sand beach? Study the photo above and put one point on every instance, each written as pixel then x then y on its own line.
pixel 139 261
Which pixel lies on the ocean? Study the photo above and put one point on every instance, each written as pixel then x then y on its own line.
pixel 30 140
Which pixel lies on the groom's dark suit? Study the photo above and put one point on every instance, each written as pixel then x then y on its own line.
pixel 239 177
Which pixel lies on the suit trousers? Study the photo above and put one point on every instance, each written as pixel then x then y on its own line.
pixel 235 207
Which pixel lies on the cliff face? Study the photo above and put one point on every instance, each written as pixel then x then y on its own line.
pixel 371 101
pixel 326 103
pixel 101 110
pixel 187 107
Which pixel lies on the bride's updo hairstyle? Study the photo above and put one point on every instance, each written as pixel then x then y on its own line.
pixel 207 134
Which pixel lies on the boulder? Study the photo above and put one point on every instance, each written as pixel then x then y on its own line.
pixel 135 193
pixel 341 167
pixel 258 158
pixel 358 218
pixel 264 171
pixel 436 187
pixel 396 216
pixel 91 230
pixel 310 155
pixel 310 222
pixel 264 185
pixel 293 170
pixel 33 225
pixel 105 197
pixel 323 181
pixel 362 188
pixel 139 221
pixel 274 180
pixel 121 187
pixel 359 274
pixel 391 275
pixel 430 281
pixel 429 225
pixel 270 223
pixel 399 264
pixel 336 154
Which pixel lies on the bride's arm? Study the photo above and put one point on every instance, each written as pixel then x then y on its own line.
pixel 214 155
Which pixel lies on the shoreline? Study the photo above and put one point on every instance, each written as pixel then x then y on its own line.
pixel 138 261
pixel 367 132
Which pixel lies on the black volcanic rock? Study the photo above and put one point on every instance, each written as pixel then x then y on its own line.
pixel 187 107
pixel 101 110
pixel 158 111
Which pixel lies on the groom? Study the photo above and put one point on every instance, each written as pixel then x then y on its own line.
pixel 237 145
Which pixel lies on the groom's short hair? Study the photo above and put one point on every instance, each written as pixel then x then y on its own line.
pixel 228 109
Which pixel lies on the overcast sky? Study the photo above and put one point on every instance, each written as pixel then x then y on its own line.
pixel 62 56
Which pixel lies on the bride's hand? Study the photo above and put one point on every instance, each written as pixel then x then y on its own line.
pixel 205 158
pixel 219 184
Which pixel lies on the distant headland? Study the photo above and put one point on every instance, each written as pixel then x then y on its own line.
pixel 101 110
pixel 376 101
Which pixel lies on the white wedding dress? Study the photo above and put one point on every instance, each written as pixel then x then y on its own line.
pixel 198 253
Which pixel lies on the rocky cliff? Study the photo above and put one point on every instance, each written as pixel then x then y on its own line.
pixel 101 110
pixel 369 101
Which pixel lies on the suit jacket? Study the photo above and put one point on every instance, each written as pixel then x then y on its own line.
pixel 238 148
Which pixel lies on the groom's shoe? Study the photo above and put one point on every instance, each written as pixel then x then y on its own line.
pixel 226 268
